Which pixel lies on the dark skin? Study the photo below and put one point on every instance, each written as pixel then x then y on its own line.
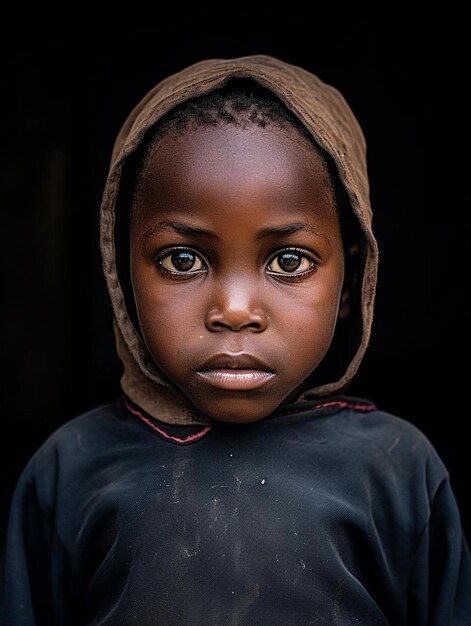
pixel 237 265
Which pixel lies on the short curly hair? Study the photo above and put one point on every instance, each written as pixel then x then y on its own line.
pixel 241 103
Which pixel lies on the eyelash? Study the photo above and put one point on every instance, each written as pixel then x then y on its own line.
pixel 292 277
pixel 284 276
pixel 159 258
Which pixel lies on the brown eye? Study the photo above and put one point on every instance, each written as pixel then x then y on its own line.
pixel 181 261
pixel 291 262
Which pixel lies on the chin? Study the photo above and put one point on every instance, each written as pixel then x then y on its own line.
pixel 242 412
pixel 238 418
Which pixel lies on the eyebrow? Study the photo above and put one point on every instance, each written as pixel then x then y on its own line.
pixel 197 231
pixel 289 229
pixel 180 227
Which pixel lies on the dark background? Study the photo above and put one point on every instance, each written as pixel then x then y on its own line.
pixel 65 98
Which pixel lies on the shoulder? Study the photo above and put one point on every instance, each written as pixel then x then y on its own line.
pixel 386 430
pixel 389 441
pixel 76 444
pixel 377 444
pixel 87 429
pixel 363 420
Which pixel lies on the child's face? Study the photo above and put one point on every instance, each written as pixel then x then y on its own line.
pixel 237 266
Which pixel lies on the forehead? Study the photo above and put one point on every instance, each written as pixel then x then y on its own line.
pixel 234 166
pixel 252 152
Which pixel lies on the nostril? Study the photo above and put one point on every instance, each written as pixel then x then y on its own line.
pixel 235 321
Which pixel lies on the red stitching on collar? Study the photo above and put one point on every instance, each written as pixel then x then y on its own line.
pixel 162 432
pixel 340 403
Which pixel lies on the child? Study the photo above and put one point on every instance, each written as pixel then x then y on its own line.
pixel 233 482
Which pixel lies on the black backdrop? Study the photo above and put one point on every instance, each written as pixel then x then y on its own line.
pixel 65 98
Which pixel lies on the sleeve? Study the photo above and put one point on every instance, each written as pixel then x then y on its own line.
pixel 440 585
pixel 33 592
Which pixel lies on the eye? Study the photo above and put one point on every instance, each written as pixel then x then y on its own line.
pixel 181 261
pixel 291 262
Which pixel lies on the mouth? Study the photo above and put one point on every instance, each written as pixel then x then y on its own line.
pixel 236 372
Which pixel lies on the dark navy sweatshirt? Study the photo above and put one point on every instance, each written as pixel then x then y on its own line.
pixel 327 513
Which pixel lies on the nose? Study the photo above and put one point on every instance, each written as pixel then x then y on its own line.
pixel 235 308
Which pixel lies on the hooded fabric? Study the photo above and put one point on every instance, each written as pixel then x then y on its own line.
pixel 332 125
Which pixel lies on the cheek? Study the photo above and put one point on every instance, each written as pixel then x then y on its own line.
pixel 312 320
pixel 311 317
pixel 169 313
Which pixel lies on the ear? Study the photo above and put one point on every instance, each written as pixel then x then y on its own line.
pixel 350 282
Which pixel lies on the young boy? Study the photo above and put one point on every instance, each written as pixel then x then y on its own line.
pixel 233 483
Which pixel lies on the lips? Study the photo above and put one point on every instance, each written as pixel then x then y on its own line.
pixel 235 372
pixel 235 361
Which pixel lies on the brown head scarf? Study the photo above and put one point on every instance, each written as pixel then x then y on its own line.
pixel 327 117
